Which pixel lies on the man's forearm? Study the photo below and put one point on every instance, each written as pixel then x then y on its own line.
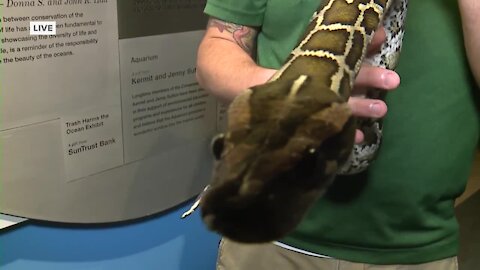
pixel 470 11
pixel 225 64
pixel 225 69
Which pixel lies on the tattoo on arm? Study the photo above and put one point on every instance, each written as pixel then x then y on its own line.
pixel 244 36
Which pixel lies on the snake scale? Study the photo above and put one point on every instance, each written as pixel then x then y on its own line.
pixel 288 138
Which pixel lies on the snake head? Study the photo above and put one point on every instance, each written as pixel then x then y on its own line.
pixel 275 159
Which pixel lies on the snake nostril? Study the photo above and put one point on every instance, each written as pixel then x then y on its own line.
pixel 217 145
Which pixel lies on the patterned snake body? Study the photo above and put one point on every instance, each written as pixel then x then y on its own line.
pixel 288 138
pixel 363 154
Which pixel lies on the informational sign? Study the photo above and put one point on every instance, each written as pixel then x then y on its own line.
pixel 69 79
pixel 101 116
pixel 163 105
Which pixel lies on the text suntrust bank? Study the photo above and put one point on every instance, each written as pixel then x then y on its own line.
pixel 82 148
pixel 89 147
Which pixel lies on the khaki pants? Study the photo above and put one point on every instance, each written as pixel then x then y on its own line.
pixel 235 256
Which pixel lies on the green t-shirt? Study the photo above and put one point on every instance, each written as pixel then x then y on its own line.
pixel 401 211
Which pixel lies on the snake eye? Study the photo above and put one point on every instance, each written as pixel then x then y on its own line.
pixel 311 168
pixel 309 164
pixel 217 145
pixel 307 168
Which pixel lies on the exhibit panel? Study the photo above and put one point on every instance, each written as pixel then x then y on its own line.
pixel 103 121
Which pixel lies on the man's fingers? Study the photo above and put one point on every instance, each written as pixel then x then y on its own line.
pixel 359 137
pixel 369 108
pixel 372 77
pixel 376 77
pixel 377 40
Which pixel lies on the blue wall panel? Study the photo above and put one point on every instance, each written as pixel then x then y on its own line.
pixel 163 242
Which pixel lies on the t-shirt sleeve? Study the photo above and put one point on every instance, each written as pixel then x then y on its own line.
pixel 243 12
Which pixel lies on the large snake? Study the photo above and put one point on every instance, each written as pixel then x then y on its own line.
pixel 287 139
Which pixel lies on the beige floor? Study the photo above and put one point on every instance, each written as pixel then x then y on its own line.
pixel 468 214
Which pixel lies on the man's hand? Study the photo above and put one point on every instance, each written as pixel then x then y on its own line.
pixel 372 77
